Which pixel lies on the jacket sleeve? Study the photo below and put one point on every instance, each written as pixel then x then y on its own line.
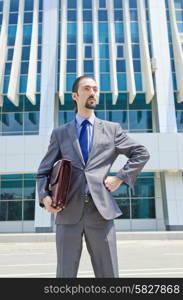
pixel 137 155
pixel 42 177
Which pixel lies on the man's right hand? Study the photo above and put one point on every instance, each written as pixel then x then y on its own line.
pixel 47 201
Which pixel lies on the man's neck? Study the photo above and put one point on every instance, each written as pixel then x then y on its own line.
pixel 85 114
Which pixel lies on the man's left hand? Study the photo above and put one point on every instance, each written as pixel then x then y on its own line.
pixel 112 183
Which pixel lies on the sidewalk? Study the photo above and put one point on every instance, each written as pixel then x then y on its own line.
pixel 140 254
pixel 121 236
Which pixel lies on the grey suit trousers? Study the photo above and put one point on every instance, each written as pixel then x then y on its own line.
pixel 100 238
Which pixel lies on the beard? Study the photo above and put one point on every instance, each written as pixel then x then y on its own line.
pixel 90 104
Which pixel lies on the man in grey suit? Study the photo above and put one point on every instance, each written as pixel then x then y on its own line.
pixel 92 145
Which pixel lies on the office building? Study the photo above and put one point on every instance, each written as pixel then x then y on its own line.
pixel 134 49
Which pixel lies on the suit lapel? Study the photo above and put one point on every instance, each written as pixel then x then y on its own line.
pixel 71 128
pixel 97 134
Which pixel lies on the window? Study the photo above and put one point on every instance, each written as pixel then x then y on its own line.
pixel 88 66
pixel 14 5
pixel 136 51
pixel 133 15
pixel 71 66
pixel 24 68
pixel 87 33
pixel 179 15
pixel 1 5
pixel 25 53
pixel 87 15
pixel 119 33
pixel 102 3
pixel 13 17
pixel 104 66
pixel 120 51
pixel 179 114
pixel 134 32
pixel 28 17
pixel 104 51
pixel 138 202
pixel 71 32
pixel 87 4
pixel 136 65
pixel 103 33
pixel 180 27
pixel 121 65
pixel 178 4
pixel 102 15
pixel 17 197
pixel 118 15
pixel 105 82
pixel 133 3
pixel 71 51
pixel 10 53
pixel 88 52
pixel 27 31
pixel 71 15
pixel 72 3
pixel 29 5
pixel 117 3
pixel 19 120
pixel 11 35
pixel 69 81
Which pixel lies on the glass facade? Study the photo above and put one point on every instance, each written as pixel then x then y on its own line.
pixel 19 120
pixel 178 4
pixel 88 66
pixel 103 35
pixel 139 202
pixel 179 14
pixel 171 47
pixel 17 197
pixel 179 115
pixel 71 65
pixel 104 43
pixel 136 117
pixel 26 42
pixel 120 47
pixel 135 44
pixel 24 118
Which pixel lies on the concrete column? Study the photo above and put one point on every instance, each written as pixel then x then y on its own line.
pixel 49 65
pixel 43 220
pixel 160 221
pixel 163 74
pixel 173 206
pixel 171 183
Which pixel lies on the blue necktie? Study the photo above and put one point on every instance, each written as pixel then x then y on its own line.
pixel 83 140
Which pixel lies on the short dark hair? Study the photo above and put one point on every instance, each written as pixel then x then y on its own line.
pixel 75 87
pixel 77 81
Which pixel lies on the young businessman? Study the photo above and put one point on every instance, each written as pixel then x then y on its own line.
pixel 92 145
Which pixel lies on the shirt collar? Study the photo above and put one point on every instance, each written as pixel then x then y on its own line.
pixel 79 119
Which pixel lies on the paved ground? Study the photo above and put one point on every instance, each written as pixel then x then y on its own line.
pixel 137 258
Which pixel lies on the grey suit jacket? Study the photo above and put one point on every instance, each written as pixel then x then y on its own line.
pixel 108 142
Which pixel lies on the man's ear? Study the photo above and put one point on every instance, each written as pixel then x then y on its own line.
pixel 74 95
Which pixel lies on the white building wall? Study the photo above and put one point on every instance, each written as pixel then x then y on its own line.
pixel 169 153
pixel 163 74
pixel 22 154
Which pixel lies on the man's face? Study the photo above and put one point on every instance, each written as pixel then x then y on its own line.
pixel 87 95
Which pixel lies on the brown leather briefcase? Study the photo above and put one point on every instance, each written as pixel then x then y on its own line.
pixel 60 182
